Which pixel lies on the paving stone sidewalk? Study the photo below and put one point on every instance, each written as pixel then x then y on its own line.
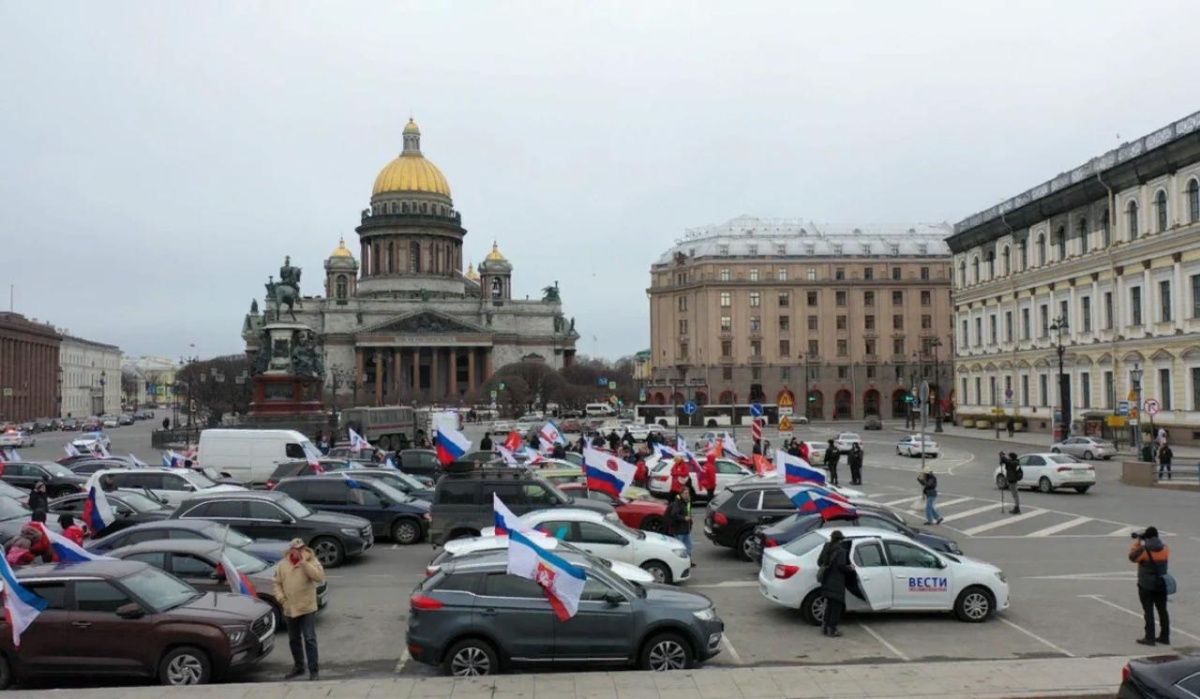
pixel 998 679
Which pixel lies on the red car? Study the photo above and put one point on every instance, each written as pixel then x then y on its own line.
pixel 649 514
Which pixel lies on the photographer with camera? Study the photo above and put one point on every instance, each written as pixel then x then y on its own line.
pixel 1151 556
pixel 1012 475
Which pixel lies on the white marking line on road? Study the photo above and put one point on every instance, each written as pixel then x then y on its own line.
pixel 969 513
pixel 737 659
pixel 1061 526
pixel 883 641
pixel 404 658
pixel 1036 637
pixel 895 503
pixel 969 459
pixel 729 583
pixel 1123 531
pixel 1003 522
pixel 1100 598
pixel 955 501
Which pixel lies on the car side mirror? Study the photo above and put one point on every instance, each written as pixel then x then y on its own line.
pixel 612 599
pixel 131 610
pixel 286 520
pixel 124 512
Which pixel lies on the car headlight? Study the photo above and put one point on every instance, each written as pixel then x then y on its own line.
pixel 1000 574
pixel 236 634
pixel 350 531
pixel 680 551
pixel 706 614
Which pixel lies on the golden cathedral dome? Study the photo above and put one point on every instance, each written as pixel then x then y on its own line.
pixel 341 250
pixel 471 274
pixel 411 172
pixel 494 255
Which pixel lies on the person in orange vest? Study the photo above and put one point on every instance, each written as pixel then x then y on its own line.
pixel 680 475
pixel 708 478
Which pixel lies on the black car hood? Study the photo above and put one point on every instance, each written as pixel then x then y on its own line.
pixel 413 507
pixel 673 596
pixel 210 606
pixel 335 519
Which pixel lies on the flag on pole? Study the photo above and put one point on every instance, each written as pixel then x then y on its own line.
pixel 545 446
pixel 551 433
pixel 728 444
pixel 21 606
pixel 97 513
pixel 513 442
pixel 70 449
pixel 388 463
pixel 313 457
pixel 67 551
pixel 239 584
pixel 606 473
pixel 561 580
pixel 504 520
pixel 450 444
pixel 506 454
pixel 357 443
pixel 797 470
pixel 809 500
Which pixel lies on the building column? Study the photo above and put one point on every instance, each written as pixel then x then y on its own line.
pixel 454 372
pixel 471 369
pixel 435 390
pixel 358 365
pixel 1177 298
pixel 378 378
pixel 416 372
pixel 487 364
pixel 1147 302
pixel 398 371
pixel 1073 321
pixel 1097 308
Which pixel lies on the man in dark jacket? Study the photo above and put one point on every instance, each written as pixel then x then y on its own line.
pixel 1151 556
pixel 485 444
pixel 835 568
pixel 679 518
pixel 1012 476
pixel 39 502
pixel 856 461
pixel 614 440
pixel 1164 460
pixel 832 455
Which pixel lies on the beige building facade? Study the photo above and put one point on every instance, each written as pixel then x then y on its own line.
pixel 91 377
pixel 753 309
pixel 1104 258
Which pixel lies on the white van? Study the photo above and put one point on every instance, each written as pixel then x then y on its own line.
pixel 598 410
pixel 251 455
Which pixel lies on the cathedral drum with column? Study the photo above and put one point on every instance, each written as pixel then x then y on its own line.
pixel 403 323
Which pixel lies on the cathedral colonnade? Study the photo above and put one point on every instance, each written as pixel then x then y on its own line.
pixel 395 375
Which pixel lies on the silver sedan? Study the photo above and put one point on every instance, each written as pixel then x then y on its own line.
pixel 1086 448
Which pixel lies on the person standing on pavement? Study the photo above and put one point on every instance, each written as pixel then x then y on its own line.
pixel 39 502
pixel 681 475
pixel 855 459
pixel 1010 426
pixel 832 455
pixel 1164 460
pixel 679 517
pixel 1012 475
pixel 485 444
pixel 296 579
pixel 708 477
pixel 833 568
pixel 1151 556
pixel 929 488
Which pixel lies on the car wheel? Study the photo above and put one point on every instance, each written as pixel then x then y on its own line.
pixel 1055 450
pixel 184 665
pixel 1045 485
pixel 1001 482
pixel 654 524
pixel 812 609
pixel 472 657
pixel 329 551
pixel 406 531
pixel 745 545
pixel 6 674
pixel 1081 489
pixel 666 652
pixel 974 605
pixel 661 571
pixel 1088 456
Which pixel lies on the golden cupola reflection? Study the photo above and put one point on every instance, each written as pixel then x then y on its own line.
pixel 411 172
pixel 341 250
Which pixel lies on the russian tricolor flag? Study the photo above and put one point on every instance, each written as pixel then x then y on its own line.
pixel 606 472
pixel 810 500
pixel 503 518
pixel 797 470
pixel 67 551
pixel 451 445
pixel 21 606
pixel 239 584
pixel 97 513
pixel 561 580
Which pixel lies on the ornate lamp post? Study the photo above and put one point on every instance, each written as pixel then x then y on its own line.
pixel 1135 375
pixel 1064 400
pixel 934 344
pixel 804 358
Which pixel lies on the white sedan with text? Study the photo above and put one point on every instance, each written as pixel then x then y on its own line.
pixel 894 573
pixel 1046 472
pixel 605 536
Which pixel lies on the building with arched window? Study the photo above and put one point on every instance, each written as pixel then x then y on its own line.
pixel 1118 298
pixel 403 321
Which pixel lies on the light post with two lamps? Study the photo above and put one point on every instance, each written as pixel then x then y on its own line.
pixel 1064 389
pixel 1135 375
pixel 936 397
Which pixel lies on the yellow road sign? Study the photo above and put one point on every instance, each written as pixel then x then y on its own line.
pixel 785 424
pixel 1115 421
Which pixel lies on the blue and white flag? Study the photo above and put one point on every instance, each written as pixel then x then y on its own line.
pixel 21 606
pixel 551 433
pixel 561 580
pixel 357 443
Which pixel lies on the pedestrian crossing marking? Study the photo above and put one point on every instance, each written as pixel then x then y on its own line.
pixel 1062 526
pixel 901 501
pixel 952 502
pixel 1003 522
pixel 968 513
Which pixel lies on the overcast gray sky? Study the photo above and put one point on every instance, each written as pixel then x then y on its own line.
pixel 158 159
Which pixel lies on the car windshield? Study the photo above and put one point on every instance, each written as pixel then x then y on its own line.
pixel 616 523
pixel 1062 459
pixel 605 573
pixel 56 469
pixel 12 509
pixel 244 562
pixel 804 544
pixel 294 508
pixel 140 503
pixel 159 590
pixel 220 532
pixel 198 479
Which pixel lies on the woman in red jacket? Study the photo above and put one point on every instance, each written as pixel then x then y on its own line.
pixel 680 475
pixel 708 478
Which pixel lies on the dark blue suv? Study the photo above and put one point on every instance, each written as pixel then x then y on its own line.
pixel 391 513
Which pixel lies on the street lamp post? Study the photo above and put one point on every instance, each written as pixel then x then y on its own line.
pixel 934 344
pixel 1136 376
pixel 804 358
pixel 1064 400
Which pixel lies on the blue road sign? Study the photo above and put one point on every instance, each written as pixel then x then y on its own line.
pixel 602 382
pixel 756 410
pixel 689 408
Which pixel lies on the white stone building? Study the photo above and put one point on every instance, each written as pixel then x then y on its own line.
pixel 1106 257
pixel 91 377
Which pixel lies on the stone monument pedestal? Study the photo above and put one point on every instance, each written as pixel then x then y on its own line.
pixel 288 382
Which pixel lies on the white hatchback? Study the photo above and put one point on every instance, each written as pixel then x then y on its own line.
pixel 845 439
pixel 1049 471
pixel 457 548
pixel 915 445
pixel 894 573
pixel 605 536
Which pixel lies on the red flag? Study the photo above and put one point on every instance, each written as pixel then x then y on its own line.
pixel 761 465
pixel 514 441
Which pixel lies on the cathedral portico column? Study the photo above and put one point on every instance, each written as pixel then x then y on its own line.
pixel 358 368
pixel 435 388
pixel 378 378
pixel 487 364
pixel 416 372
pixel 397 374
pixel 471 369
pixel 454 372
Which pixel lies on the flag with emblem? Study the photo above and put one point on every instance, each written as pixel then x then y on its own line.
pixel 561 580
pixel 606 472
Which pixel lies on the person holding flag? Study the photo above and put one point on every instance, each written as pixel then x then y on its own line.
pixel 681 475
pixel 21 606
pixel 708 477
pixel 561 580
pixel 97 512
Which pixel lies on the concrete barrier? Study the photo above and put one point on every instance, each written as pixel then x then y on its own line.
pixel 1139 473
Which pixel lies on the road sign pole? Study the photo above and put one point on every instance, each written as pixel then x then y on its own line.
pixel 924 419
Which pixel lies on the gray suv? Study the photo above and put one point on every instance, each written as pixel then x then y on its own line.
pixel 473 618
pixel 463 505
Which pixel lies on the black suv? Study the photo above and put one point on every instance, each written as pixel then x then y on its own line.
pixel 130 508
pixel 463 505
pixel 472 618
pixel 733 514
pixel 59 479
pixel 267 514
pixel 390 512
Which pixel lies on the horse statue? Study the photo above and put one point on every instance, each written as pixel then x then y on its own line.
pixel 286 291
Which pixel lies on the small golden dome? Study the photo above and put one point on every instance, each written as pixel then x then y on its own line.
pixel 494 255
pixel 471 274
pixel 341 250
pixel 411 172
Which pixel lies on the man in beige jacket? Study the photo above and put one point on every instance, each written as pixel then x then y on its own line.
pixel 296 580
